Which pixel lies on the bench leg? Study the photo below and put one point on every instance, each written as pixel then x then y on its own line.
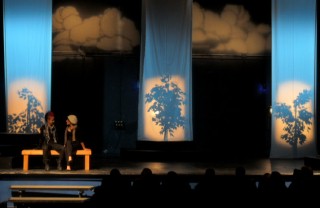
pixel 25 162
pixel 87 162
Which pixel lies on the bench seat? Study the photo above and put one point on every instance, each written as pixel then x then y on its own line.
pixel 21 189
pixel 27 152
pixel 48 199
pixel 23 198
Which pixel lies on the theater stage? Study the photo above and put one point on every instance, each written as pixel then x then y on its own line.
pixel 159 157
pixel 100 167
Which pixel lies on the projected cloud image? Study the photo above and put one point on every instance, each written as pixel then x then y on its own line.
pixel 230 31
pixel 108 31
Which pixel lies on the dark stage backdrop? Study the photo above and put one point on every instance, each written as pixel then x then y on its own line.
pixel 231 102
pixel 101 91
pixel 231 96
pixel 231 105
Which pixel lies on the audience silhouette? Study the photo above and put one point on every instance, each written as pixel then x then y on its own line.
pixel 174 189
pixel 115 187
pixel 145 187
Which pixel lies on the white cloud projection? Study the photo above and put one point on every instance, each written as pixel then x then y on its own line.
pixel 228 32
pixel 109 31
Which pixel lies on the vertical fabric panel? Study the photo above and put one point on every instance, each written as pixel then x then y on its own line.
pixel 27 52
pixel 293 78
pixel 165 99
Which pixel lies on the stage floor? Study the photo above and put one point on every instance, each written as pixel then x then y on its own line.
pixel 101 167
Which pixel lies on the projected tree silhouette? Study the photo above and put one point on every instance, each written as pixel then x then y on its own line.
pixel 30 119
pixel 295 121
pixel 167 101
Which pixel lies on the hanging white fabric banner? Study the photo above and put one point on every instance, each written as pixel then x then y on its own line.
pixel 27 52
pixel 165 99
pixel 293 78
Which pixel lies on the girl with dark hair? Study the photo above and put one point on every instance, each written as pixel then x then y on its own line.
pixel 49 141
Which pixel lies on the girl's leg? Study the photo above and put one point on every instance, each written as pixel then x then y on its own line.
pixel 69 155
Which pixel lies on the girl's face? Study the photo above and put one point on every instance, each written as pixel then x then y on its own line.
pixel 69 124
pixel 50 120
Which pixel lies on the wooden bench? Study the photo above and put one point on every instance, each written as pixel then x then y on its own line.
pixel 86 152
pixel 22 188
pixel 16 199
pixel 23 198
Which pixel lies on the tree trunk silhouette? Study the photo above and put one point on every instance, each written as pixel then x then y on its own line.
pixel 165 136
pixel 295 147
pixel 295 139
pixel 28 127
